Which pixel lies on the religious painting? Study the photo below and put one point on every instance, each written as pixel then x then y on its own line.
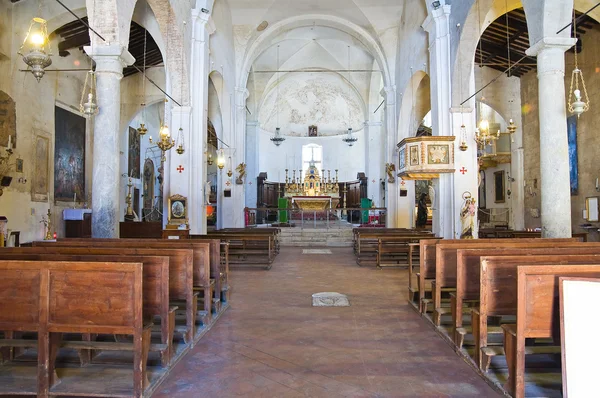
pixel 499 187
pixel 134 155
pixel 573 167
pixel 414 155
pixel 148 187
pixel 402 162
pixel 482 190
pixel 136 201
pixel 40 186
pixel 69 156
pixel 438 154
pixel 8 120
pixel 312 131
pixel 19 165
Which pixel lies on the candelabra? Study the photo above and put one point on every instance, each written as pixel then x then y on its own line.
pixel 129 216
pixel 48 225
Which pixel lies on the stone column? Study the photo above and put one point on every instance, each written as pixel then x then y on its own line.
pixel 437 25
pixel 391 125
pixel 179 166
pixel 200 68
pixel 110 61
pixel 373 155
pixel 252 148
pixel 554 148
pixel 239 143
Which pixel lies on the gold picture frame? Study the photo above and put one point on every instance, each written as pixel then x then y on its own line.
pixel 177 210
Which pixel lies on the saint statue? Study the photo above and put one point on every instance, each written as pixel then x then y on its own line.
pixel 467 218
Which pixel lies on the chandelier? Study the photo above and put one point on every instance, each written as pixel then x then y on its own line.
pixel 349 138
pixel 579 105
pixel 165 142
pixel 277 139
pixel 38 56
pixel 483 136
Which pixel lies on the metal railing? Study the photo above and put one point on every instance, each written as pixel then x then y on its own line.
pixel 326 218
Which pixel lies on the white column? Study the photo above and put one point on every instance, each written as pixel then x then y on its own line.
pixel 110 61
pixel 238 192
pixel 554 148
pixel 437 25
pixel 467 172
pixel 391 125
pixel 373 166
pixel 252 147
pixel 517 187
pixel 203 28
pixel 180 166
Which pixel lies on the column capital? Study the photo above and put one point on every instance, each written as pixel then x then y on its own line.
pixel 551 42
pixel 110 59
pixel 241 95
pixel 461 109
pixel 204 25
pixel 181 110
pixel 437 18
pixel 389 93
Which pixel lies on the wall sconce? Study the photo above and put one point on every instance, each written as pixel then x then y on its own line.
pixel 221 160
pixel 209 159
pixel 597 185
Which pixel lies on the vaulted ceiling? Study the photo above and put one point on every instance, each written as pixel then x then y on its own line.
pixel 505 41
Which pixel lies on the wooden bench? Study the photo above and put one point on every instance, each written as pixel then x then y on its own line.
pixel 181 287
pixel 155 291
pixel 468 276
pixel 366 243
pixel 394 251
pixel 499 292
pixel 55 298
pixel 538 314
pixel 246 249
pixel 273 231
pixel 429 260
pixel 446 263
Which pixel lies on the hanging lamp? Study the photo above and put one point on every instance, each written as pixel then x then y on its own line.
pixel 277 139
pixel 142 130
pixel 349 138
pixel 35 49
pixel 579 104
pixel 89 108
pixel 180 138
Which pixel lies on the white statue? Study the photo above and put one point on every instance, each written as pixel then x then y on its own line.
pixel 432 195
pixel 207 187
pixel 467 218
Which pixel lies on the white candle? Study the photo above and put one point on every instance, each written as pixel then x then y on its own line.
pixel 75 197
pixel 9 141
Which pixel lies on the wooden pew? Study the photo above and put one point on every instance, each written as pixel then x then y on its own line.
pixel 55 298
pixel 155 289
pixel 468 274
pixel 394 251
pixel 366 242
pixel 499 292
pixel 200 259
pixel 273 231
pixel 246 249
pixel 429 260
pixel 538 315
pixel 181 288
pixel 446 263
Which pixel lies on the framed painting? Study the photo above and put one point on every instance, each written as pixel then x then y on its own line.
pixel 499 188
pixel 8 120
pixel 414 155
pixel 312 131
pixel 438 154
pixel 40 185
pixel 69 155
pixel 134 154
pixel 573 167
pixel 402 158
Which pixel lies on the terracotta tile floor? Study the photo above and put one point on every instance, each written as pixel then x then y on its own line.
pixel 273 343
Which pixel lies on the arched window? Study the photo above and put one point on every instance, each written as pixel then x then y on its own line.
pixel 312 153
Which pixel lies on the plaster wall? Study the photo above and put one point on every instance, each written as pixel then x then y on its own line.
pixel 336 155
pixel 588 139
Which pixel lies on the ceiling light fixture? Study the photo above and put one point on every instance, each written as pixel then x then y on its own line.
pixel 277 139
pixel 36 41
pixel 349 139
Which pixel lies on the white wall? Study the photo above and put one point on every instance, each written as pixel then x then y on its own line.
pixel 336 155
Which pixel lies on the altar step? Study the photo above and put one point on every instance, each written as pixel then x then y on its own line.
pixel 316 237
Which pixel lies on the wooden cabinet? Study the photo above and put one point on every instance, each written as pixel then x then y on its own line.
pixel 79 228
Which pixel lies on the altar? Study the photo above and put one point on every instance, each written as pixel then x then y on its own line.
pixel 314 192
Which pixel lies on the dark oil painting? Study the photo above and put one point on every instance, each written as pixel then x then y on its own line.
pixel 134 153
pixel 69 155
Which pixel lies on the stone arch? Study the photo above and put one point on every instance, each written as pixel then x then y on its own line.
pixel 416 87
pixel 259 43
pixel 543 18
